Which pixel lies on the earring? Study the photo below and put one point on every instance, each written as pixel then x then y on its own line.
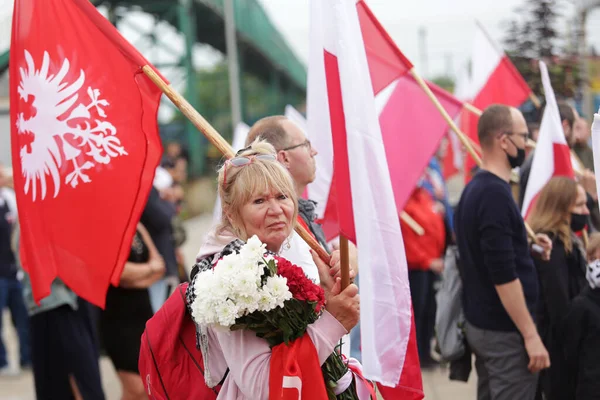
pixel 286 244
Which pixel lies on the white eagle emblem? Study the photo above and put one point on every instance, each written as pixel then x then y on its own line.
pixel 62 130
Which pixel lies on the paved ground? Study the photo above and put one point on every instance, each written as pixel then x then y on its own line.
pixel 437 385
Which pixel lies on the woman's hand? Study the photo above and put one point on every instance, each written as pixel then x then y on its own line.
pixel 544 241
pixel 344 305
pixel 157 266
pixel 335 263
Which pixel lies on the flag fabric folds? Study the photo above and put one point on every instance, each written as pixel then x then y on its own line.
pixel 494 79
pixel 552 156
pixel 85 144
pixel 341 108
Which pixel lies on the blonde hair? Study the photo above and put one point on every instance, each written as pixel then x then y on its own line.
pixel 244 182
pixel 552 210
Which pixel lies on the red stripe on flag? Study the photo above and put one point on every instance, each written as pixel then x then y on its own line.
pixel 562 167
pixel 341 169
pixel 386 61
pixel 411 381
pixel 562 160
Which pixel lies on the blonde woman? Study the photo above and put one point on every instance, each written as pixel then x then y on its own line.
pixel 258 198
pixel 560 211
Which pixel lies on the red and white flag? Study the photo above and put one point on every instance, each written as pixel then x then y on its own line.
pixel 494 79
pixel 552 156
pixel 341 108
pixel 85 144
pixel 405 112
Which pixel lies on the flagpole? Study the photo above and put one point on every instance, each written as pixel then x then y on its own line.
pixel 461 136
pixel 344 261
pixel 217 140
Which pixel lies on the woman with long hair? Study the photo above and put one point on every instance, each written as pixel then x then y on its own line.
pixel 561 212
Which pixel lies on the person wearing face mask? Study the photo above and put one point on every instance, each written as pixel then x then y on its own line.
pixel 559 211
pixel 500 285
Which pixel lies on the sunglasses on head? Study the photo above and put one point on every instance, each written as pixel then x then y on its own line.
pixel 242 161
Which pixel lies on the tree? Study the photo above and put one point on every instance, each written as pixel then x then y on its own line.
pixel 532 36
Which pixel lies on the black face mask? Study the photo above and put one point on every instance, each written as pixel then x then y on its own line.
pixel 516 161
pixel 578 222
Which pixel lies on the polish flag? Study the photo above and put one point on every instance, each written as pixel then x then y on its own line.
pixel 494 79
pixel 341 107
pixel 405 113
pixel 552 156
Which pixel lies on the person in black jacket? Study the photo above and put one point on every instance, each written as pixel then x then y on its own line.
pixel 582 339
pixel 559 211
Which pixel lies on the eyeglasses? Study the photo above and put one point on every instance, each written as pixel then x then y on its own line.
pixel 305 143
pixel 524 135
pixel 242 161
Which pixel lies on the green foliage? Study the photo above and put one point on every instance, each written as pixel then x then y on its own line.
pixel 445 82
pixel 532 36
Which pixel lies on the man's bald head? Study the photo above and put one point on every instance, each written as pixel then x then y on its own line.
pixel 495 120
pixel 272 129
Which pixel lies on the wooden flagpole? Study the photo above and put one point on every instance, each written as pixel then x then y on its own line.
pixel 217 140
pixel 461 136
pixel 344 261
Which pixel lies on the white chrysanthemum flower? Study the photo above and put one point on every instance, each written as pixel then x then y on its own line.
pixel 277 286
pixel 246 284
pixel 253 250
pixel 247 304
pixel 266 301
pixel 227 312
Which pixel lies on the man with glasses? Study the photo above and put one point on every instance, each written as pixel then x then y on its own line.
pixel 500 286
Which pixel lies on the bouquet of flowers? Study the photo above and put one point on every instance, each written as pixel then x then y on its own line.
pixel 268 295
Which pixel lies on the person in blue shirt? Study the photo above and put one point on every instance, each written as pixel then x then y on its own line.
pixel 500 283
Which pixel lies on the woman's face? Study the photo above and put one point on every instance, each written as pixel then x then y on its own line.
pixel 268 216
pixel 580 206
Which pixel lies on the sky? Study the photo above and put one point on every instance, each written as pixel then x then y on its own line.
pixel 449 26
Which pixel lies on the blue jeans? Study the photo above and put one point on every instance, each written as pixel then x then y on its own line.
pixel 158 294
pixel 11 296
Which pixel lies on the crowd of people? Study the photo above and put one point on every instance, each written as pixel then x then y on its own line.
pixel 530 306
pixel 62 337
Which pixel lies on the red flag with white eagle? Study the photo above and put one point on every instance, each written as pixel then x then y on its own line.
pixel 341 108
pixel 552 156
pixel 84 142
pixel 494 79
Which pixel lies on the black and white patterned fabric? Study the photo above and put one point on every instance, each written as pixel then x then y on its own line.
pixel 205 264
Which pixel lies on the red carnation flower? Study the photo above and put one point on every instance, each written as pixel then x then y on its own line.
pixel 302 288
